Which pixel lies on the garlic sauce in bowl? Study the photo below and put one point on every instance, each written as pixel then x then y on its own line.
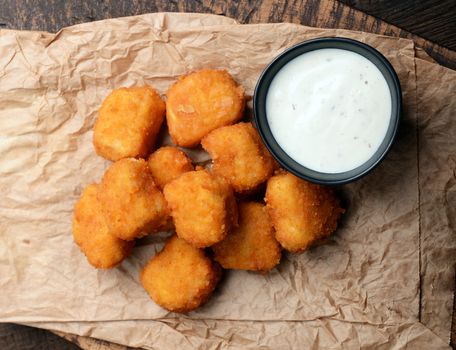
pixel 328 109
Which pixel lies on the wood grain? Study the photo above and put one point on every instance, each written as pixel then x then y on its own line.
pixel 16 337
pixel 430 19
pixel 51 15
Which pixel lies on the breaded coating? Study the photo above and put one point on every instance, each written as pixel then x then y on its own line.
pixel 201 102
pixel 168 163
pixel 132 204
pixel 166 226
pixel 301 212
pixel 128 123
pixel 239 156
pixel 202 206
pixel 181 277
pixel 251 246
pixel 91 233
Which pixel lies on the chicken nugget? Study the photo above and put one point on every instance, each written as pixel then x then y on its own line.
pixel 239 156
pixel 132 204
pixel 168 163
pixel 301 212
pixel 181 277
pixel 128 123
pixel 251 246
pixel 201 102
pixel 202 206
pixel 91 233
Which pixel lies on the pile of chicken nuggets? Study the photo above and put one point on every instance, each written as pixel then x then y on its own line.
pixel 217 212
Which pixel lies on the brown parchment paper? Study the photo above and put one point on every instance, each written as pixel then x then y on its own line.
pixel 389 266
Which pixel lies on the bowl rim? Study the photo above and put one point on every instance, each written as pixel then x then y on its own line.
pixel 260 118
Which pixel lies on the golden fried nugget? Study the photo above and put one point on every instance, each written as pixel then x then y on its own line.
pixel 168 163
pixel 251 246
pixel 181 277
pixel 128 123
pixel 201 102
pixel 239 156
pixel 91 233
pixel 202 206
pixel 301 212
pixel 133 206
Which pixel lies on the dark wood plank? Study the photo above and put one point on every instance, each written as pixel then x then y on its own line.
pixel 434 20
pixel 15 337
pixel 51 15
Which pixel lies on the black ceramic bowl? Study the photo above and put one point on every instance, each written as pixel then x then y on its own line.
pixel 259 108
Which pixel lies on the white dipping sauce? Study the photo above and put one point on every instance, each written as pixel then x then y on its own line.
pixel 329 109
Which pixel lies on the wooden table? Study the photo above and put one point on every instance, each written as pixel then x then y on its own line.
pixel 421 21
